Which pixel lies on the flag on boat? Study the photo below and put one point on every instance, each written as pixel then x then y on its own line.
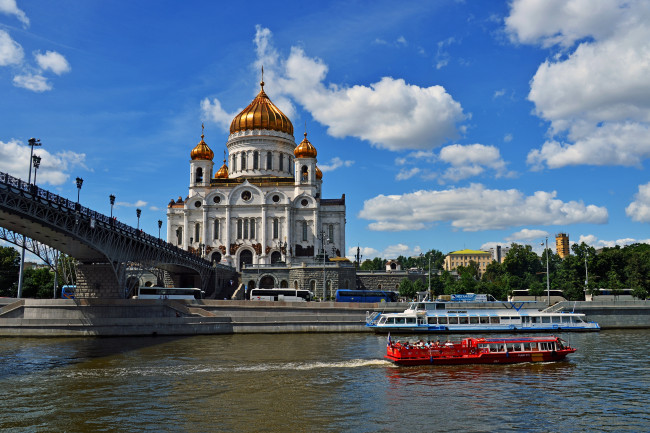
pixel 388 340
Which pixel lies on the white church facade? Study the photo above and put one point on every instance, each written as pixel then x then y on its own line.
pixel 264 205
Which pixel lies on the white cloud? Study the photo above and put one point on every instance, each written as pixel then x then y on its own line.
pixel 212 111
pixel 389 114
pixel 639 209
pixel 54 168
pixel 394 251
pixel 335 163
pixel 10 7
pixel 407 173
pixel 593 241
pixel 53 61
pixel 476 208
pixel 597 93
pixel 471 160
pixel 527 235
pixel 138 204
pixel 33 82
pixel 507 138
pixel 499 93
pixel 11 53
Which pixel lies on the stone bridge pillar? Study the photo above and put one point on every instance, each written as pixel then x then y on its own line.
pixel 97 281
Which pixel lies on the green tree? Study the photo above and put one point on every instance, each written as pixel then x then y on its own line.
pixel 376 264
pixel 9 268
pixel 407 289
pixel 38 283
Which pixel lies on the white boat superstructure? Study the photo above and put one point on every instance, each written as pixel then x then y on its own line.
pixel 443 317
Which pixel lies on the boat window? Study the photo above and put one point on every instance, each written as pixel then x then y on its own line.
pixel 546 319
pixel 484 320
pixel 566 319
pixel 399 320
pixel 515 319
pixel 463 320
pixel 440 306
pixel 473 320
pixel 578 320
pixel 533 346
pixel 510 347
pixel 420 307
pixel 410 320
pixel 432 320
pixel 453 320
pixel 527 347
pixel 494 320
pixel 557 319
pixel 382 320
pixel 442 320
pixel 534 319
pixel 494 347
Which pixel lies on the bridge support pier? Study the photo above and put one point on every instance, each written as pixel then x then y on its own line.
pixel 97 281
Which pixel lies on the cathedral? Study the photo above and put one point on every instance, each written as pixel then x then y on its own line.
pixel 264 206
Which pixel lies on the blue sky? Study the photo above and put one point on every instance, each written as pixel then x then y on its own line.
pixel 447 124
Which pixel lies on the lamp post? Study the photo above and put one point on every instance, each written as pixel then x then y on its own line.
pixel 322 242
pixel 586 274
pixel 32 142
pixel 429 274
pixel 36 160
pixel 111 199
pixel 159 226
pixel 548 284
pixel 138 212
pixel 359 257
pixel 79 182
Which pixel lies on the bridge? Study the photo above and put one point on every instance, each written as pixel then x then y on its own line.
pixel 103 246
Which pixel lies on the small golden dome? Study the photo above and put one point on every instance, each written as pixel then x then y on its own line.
pixel 223 172
pixel 319 174
pixel 305 149
pixel 202 151
pixel 261 114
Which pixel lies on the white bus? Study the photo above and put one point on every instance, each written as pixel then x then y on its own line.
pixel 286 295
pixel 168 293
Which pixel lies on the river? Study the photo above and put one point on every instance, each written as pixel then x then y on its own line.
pixel 313 383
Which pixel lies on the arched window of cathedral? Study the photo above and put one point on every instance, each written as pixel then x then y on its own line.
pixel 179 236
pixel 216 228
pixel 331 232
pixel 256 157
pixel 198 178
pixel 304 172
pixel 197 232
pixel 252 232
pixel 245 229
pixel 216 257
pixel 243 161
pixel 295 284
pixel 275 257
pixel 276 228
pixel 312 286
pixel 239 228
pixel 281 166
pixel 304 231
pixel 269 161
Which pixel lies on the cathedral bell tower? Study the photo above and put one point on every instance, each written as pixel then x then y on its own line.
pixel 305 170
pixel 201 164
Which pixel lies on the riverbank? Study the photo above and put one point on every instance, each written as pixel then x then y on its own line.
pixel 133 317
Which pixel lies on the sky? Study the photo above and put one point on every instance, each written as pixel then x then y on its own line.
pixel 447 124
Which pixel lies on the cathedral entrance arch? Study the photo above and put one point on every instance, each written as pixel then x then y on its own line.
pixel 267 282
pixel 245 258
pixel 216 258
pixel 275 257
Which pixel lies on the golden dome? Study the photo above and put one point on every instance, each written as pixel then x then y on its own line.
pixel 223 172
pixel 202 151
pixel 319 174
pixel 305 149
pixel 261 114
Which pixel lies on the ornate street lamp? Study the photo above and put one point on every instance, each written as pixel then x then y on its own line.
pixel 111 198
pixel 138 212
pixel 159 226
pixel 79 182
pixel 37 163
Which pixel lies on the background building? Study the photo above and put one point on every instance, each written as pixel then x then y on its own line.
pixel 499 253
pixel 562 245
pixel 463 257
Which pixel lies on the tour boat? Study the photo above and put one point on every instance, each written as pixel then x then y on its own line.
pixel 445 317
pixel 479 351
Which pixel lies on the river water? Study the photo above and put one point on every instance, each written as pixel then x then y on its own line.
pixel 313 383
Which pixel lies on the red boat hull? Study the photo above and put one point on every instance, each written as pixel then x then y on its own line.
pixel 468 353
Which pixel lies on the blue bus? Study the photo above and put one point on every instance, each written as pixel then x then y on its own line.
pixel 67 292
pixel 365 296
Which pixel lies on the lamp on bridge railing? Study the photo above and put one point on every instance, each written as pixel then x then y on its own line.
pixel 32 142
pixel 36 160
pixel 80 182
pixel 138 212
pixel 111 198
pixel 201 250
pixel 159 226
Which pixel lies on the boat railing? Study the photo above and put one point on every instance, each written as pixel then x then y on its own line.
pixel 372 318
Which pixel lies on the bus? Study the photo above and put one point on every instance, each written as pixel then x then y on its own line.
pixel 286 295
pixel 168 293
pixel 365 296
pixel 67 292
